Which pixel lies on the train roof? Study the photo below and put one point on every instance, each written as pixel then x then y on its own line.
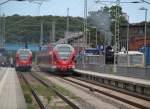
pixel 130 53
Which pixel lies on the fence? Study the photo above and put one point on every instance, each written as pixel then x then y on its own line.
pixel 100 67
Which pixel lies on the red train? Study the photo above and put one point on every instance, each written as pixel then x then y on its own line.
pixel 23 60
pixel 60 57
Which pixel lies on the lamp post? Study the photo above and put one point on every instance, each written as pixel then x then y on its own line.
pixel 145 35
pixel 127 41
pixel 85 23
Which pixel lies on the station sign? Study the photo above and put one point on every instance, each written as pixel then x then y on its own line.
pixel 2 50
pixel 100 47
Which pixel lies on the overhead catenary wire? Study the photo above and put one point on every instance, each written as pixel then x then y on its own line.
pixel 145 1
pixel 4 2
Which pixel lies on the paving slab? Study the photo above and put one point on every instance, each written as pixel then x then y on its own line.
pixel 11 96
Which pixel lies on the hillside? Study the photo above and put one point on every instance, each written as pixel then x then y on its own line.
pixel 27 28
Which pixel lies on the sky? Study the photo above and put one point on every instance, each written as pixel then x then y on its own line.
pixel 76 8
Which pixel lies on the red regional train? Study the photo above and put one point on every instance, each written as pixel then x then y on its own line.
pixel 58 58
pixel 23 60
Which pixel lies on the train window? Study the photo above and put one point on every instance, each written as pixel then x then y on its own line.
pixel 23 54
pixel 64 49
pixel 64 55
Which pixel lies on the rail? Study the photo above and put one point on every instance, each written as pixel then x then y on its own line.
pixel 49 84
pixel 133 103
pixel 34 93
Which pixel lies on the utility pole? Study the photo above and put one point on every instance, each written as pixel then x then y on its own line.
pixel 53 31
pixel 145 35
pixel 85 23
pixel 41 37
pixel 3 30
pixel 117 24
pixel 85 31
pixel 67 26
pixel 117 33
pixel 1 35
pixel 128 41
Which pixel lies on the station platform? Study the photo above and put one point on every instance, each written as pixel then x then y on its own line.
pixel 116 77
pixel 135 85
pixel 11 96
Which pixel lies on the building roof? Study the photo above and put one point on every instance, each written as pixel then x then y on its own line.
pixel 141 24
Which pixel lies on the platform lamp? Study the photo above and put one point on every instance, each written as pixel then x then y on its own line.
pixel 145 35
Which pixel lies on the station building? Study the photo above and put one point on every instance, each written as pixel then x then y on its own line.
pixel 136 35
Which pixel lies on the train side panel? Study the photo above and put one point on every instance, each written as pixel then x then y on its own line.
pixel 56 58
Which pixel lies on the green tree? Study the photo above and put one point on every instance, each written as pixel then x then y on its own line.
pixel 122 19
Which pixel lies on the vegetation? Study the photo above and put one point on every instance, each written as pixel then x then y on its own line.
pixel 44 91
pixel 112 12
pixel 20 29
pixel 59 88
pixel 27 28
pixel 64 91
pixel 28 96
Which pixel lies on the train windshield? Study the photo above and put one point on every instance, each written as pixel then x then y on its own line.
pixel 23 54
pixel 64 55
pixel 136 59
pixel 64 49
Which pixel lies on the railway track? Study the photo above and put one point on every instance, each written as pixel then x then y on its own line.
pixel 136 101
pixel 51 86
pixel 34 92
pixel 133 100
pixel 114 88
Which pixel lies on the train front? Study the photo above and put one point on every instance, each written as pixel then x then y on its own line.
pixel 64 55
pixel 23 60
